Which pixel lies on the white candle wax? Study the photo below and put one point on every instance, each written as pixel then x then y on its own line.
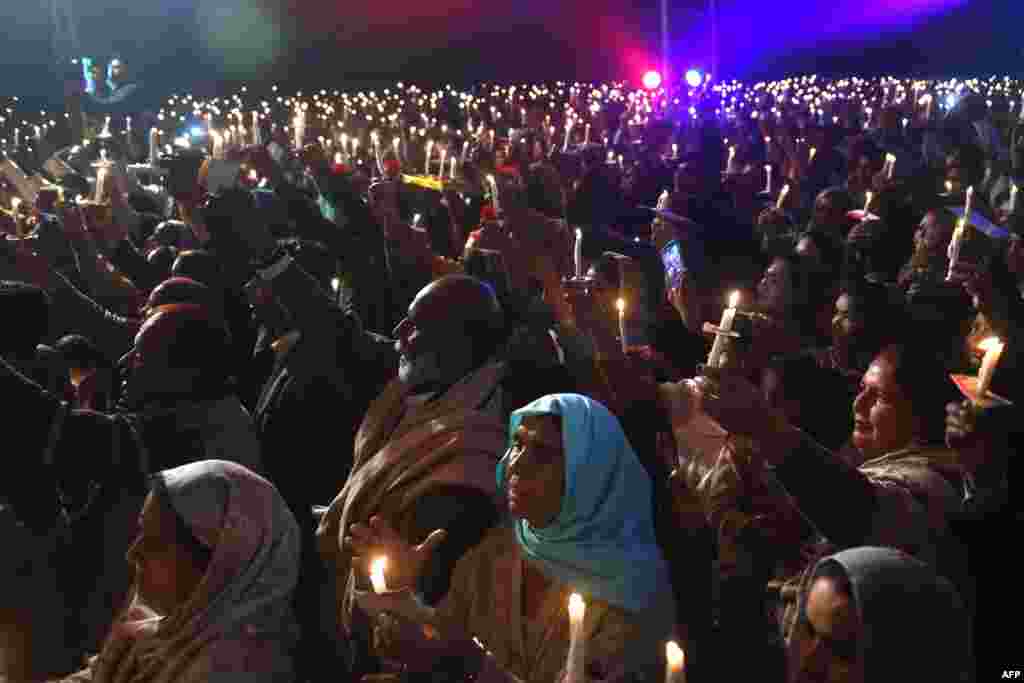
pixel 575 665
pixel 465 151
pixel 993 352
pixel 256 135
pixel 620 306
pixel 586 134
pixel 577 254
pixel 430 148
pixel 813 152
pixel 568 131
pixel 1013 198
pixel 397 144
pixel 675 671
pixel 953 252
pixel 768 178
pixel 731 160
pixel 377 575
pixel 218 145
pixel 782 196
pixel 868 196
pixel 452 174
pixel 890 163
pixel 968 203
pixel 444 157
pixel 728 316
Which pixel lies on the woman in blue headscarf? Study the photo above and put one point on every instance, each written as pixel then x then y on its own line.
pixel 580 508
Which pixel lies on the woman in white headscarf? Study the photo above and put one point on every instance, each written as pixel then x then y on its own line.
pixel 216 560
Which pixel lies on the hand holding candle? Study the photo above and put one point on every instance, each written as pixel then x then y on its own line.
pixel 890 165
pixel 722 334
pixel 620 306
pixel 782 196
pixel 868 197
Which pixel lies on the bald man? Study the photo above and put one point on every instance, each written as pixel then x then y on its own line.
pixel 426 451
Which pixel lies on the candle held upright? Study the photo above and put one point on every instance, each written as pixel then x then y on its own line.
pixel 575 665
pixel 675 663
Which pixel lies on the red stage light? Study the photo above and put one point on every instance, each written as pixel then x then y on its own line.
pixel 652 80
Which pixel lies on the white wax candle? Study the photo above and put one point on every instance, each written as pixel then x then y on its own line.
pixel 731 160
pixel 39 133
pixel 444 157
pixel 993 349
pixel 575 665
pixel 256 135
pixel 767 146
pixel 674 663
pixel 953 252
pixel 465 151
pixel 492 138
pixel 430 148
pixel 17 138
pixel 218 145
pixel 868 196
pixel 586 134
pixel 620 306
pixel 768 178
pixel 397 144
pixel 377 575
pixel 494 192
pixel 452 174
pixel 782 196
pixel 1013 198
pixel 813 152
pixel 622 165
pixel 568 131
pixel 577 254
pixel 968 202
pixel 728 316
pixel 890 163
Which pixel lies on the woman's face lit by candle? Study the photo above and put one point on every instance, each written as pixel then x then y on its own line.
pixel 535 471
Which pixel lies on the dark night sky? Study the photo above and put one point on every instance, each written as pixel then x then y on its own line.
pixel 180 43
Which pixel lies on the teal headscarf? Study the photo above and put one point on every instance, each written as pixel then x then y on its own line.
pixel 602 542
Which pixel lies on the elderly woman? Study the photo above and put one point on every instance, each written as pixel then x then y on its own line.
pixel 216 561
pixel 900 487
pixel 579 498
pixel 877 614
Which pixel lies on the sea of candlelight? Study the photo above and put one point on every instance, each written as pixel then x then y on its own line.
pixel 450 117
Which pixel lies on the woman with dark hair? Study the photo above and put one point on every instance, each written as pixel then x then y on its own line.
pixel 902 486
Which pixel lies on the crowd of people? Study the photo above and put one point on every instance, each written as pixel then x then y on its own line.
pixel 367 385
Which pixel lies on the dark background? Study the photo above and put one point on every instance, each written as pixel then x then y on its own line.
pixel 205 45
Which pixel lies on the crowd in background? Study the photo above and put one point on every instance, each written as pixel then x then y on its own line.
pixel 443 328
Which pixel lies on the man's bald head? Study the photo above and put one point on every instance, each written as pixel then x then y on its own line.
pixel 454 326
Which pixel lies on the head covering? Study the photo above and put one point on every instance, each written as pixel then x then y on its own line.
pixel 602 542
pixel 913 625
pixel 246 591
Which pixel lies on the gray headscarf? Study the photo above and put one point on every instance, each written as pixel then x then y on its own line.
pixel 914 626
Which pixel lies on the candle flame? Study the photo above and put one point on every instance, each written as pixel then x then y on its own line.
pixel 891 158
pixel 734 300
pixel 620 305
pixel 949 187
pixel 990 344
pixel 377 568
pixel 674 655
pixel 577 607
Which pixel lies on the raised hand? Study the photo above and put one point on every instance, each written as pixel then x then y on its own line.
pixel 405 560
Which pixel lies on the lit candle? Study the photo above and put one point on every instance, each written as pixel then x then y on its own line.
pixel 718 348
pixel 218 145
pixel 868 196
pixel 105 133
pixel 813 152
pixel 257 138
pixel 128 124
pixel 586 134
pixel 494 192
pixel 674 663
pixel 465 151
pixel 611 157
pixel 397 143
pixel 17 138
pixel 675 150
pixel 949 187
pixel 577 254
pixel 767 146
pixel 377 575
pixel 1013 198
pixel 492 138
pixel 620 305
pixel 430 148
pixel 993 349
pixel 622 160
pixel 451 175
pixel 782 196
pixel 768 178
pixel 729 168
pixel 444 156
pixel 968 202
pixel 568 132
pixel 953 252
pixel 890 164
pixel 575 666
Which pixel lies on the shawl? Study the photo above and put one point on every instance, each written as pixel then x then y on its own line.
pixel 240 613
pixel 401 455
